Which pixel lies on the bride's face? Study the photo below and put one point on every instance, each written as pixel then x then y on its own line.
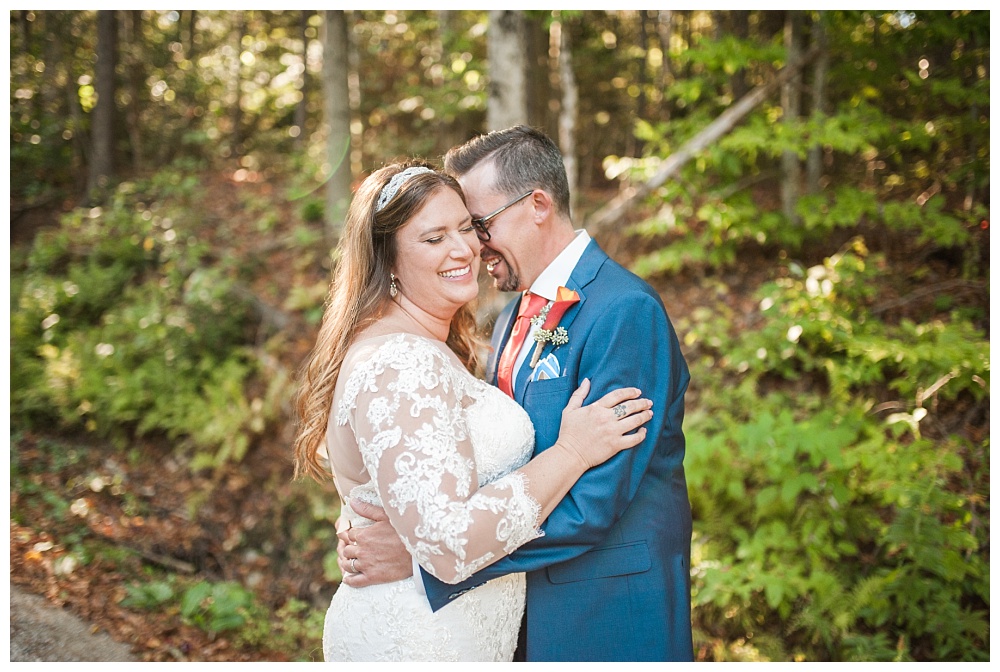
pixel 437 260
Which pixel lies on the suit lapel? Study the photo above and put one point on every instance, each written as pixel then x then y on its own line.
pixel 501 334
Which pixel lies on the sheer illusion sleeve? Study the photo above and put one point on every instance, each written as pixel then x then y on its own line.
pixel 406 406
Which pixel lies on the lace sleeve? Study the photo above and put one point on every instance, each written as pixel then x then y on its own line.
pixel 410 424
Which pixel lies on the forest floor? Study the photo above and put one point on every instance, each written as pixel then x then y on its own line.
pixel 150 513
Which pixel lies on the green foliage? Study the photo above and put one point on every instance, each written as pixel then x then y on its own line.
pixel 294 629
pixel 817 509
pixel 902 154
pixel 213 607
pixel 150 595
pixel 119 328
pixel 216 607
pixel 838 515
pixel 312 210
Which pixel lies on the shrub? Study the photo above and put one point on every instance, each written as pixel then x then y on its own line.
pixel 119 327
pixel 834 519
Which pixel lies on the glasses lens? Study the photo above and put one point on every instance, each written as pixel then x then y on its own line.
pixel 481 231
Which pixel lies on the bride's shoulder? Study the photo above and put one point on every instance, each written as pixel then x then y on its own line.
pixel 401 350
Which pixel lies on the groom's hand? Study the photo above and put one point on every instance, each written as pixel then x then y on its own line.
pixel 374 554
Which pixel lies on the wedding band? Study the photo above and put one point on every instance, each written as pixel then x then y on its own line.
pixel 619 410
pixel 354 567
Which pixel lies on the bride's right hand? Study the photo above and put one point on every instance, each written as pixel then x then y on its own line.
pixel 597 432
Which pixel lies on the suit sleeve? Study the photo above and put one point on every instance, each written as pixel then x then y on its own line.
pixel 632 345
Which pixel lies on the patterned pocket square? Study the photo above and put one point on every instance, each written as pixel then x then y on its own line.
pixel 546 368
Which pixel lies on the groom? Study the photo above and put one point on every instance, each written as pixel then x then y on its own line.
pixel 610 578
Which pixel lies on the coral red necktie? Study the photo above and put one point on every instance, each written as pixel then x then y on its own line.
pixel 531 305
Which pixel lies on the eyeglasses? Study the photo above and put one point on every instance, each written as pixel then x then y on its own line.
pixel 480 223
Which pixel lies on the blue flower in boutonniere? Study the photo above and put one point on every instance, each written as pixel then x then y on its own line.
pixel 547 321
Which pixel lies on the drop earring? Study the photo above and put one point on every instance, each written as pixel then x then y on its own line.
pixel 393 290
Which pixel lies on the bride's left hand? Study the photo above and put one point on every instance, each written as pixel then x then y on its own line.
pixel 374 554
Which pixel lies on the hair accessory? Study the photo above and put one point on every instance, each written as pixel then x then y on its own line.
pixel 393 290
pixel 389 191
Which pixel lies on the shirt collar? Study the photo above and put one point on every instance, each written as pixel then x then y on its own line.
pixel 557 273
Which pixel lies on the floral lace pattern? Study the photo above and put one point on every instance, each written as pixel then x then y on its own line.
pixel 439 448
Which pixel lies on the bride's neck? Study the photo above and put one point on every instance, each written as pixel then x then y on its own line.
pixel 422 322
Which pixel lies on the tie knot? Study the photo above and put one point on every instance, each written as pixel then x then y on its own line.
pixel 531 305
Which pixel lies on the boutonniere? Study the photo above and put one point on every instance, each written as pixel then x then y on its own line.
pixel 547 321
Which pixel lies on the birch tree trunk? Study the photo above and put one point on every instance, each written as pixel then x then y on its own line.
pixel 103 117
pixel 337 110
pixel 568 108
pixel 506 48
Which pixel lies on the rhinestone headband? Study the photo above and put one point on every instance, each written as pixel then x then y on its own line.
pixel 389 191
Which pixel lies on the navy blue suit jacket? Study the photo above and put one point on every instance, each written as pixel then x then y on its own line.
pixel 610 578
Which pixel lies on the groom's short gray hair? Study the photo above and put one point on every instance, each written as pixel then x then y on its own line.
pixel 524 157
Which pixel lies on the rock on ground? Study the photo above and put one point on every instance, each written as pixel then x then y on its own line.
pixel 42 632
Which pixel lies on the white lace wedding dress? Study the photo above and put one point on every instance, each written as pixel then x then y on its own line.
pixel 412 431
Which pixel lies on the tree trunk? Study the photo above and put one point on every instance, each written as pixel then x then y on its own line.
pixel 302 108
pixel 739 27
pixel 506 48
pixel 614 212
pixel 791 106
pixel 814 161
pixel 337 110
pixel 191 31
pixel 635 145
pixel 24 29
pixel 536 73
pixel 53 81
pixel 236 84
pixel 568 108
pixel 354 104
pixel 103 117
pixel 665 29
pixel 133 37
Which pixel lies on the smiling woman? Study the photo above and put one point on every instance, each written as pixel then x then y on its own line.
pixel 389 408
pixel 437 262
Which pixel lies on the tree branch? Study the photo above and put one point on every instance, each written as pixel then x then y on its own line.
pixel 615 211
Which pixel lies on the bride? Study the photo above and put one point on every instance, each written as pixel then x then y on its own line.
pixel 388 404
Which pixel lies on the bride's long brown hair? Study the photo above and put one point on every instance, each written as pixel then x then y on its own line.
pixel 358 296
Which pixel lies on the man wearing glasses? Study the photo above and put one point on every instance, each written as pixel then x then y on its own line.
pixel 610 578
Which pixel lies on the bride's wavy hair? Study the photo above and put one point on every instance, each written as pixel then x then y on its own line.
pixel 359 296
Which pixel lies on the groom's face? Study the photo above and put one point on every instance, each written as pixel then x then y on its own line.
pixel 507 254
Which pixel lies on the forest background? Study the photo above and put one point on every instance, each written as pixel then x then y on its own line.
pixel 808 191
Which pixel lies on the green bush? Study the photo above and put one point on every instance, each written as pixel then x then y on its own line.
pixel 118 326
pixel 829 525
